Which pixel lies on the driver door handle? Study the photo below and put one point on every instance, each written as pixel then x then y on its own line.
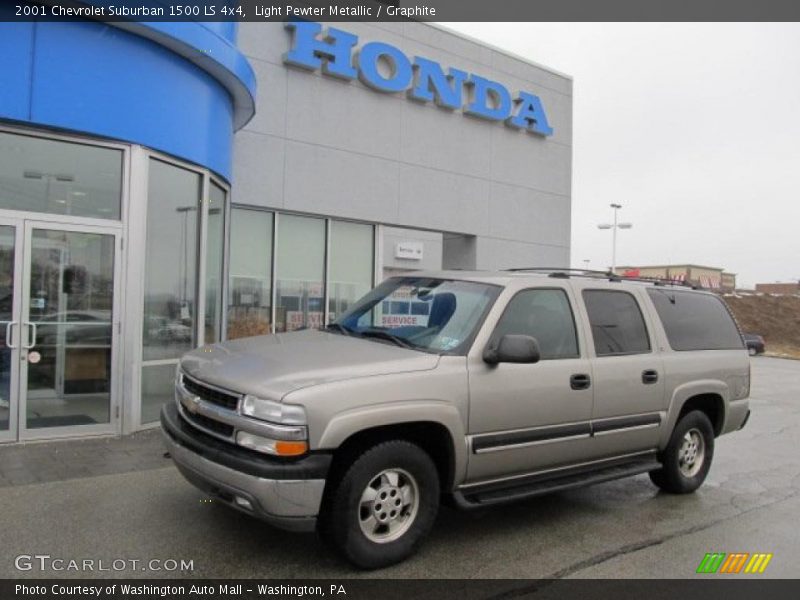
pixel 580 381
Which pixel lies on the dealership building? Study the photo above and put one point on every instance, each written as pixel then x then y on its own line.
pixel 169 185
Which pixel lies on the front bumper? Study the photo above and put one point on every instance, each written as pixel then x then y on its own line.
pixel 285 494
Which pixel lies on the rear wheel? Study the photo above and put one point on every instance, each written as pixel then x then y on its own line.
pixel 752 350
pixel 384 505
pixel 687 458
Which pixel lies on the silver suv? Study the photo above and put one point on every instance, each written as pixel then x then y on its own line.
pixel 480 388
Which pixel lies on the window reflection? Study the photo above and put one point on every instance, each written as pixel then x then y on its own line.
pixel 300 267
pixel 351 265
pixel 215 240
pixel 171 261
pixel 71 304
pixel 250 272
pixel 171 258
pixel 58 177
pixel 158 385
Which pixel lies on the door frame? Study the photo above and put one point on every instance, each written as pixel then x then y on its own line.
pixel 13 329
pixel 22 277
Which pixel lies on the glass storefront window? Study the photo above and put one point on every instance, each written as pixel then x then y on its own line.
pixel 65 178
pixel 171 261
pixel 171 251
pixel 250 273
pixel 215 242
pixel 300 268
pixel 158 385
pixel 351 265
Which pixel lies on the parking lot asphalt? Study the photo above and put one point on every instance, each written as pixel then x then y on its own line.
pixel 749 503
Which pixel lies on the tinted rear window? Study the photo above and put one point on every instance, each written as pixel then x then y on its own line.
pixel 696 321
pixel 617 323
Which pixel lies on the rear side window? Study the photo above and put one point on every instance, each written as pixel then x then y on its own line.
pixel 617 323
pixel 695 321
pixel 546 315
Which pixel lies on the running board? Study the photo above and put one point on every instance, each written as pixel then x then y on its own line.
pixel 509 491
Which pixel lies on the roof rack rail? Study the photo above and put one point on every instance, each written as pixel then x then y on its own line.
pixel 560 270
pixel 564 273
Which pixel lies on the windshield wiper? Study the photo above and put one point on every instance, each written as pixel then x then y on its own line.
pixel 385 335
pixel 340 328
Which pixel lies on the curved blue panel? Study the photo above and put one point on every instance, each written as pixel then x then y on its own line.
pixel 227 30
pixel 182 88
pixel 210 47
pixel 16 43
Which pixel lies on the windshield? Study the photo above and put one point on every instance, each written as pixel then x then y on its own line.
pixel 435 315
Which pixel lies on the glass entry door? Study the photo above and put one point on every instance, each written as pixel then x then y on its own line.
pixel 9 310
pixel 57 314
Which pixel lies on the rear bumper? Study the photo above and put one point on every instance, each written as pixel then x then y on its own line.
pixel 738 414
pixel 746 419
pixel 285 494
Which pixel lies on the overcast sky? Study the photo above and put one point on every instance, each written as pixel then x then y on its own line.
pixel 693 128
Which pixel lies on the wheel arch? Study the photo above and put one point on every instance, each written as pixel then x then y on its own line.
pixel 710 397
pixel 432 436
pixel 711 404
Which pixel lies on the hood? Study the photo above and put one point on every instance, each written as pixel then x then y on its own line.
pixel 271 366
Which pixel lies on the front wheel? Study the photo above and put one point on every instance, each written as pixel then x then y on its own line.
pixel 687 458
pixel 384 505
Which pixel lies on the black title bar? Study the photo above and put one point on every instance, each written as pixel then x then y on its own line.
pixel 399 10
pixel 699 588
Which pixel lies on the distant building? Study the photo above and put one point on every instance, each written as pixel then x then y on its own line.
pixel 779 288
pixel 707 277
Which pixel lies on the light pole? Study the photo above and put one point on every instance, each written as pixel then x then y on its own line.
pixel 614 228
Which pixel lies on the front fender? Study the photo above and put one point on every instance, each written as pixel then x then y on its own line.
pixel 351 422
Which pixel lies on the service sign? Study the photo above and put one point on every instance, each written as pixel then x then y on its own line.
pixel 408 250
pixel 336 53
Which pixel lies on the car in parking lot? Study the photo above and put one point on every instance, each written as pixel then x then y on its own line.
pixel 755 343
pixel 509 385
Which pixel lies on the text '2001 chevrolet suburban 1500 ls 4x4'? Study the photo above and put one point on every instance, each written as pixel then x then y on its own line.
pixel 494 387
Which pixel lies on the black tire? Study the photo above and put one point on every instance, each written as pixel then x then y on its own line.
pixel 343 513
pixel 677 475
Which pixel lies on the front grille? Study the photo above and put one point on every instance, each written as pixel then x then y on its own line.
pixel 211 395
pixel 209 424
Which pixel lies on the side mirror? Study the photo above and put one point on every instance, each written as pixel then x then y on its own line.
pixel 513 349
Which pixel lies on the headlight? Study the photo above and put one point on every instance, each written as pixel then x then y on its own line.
pixel 272 411
pixel 284 424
